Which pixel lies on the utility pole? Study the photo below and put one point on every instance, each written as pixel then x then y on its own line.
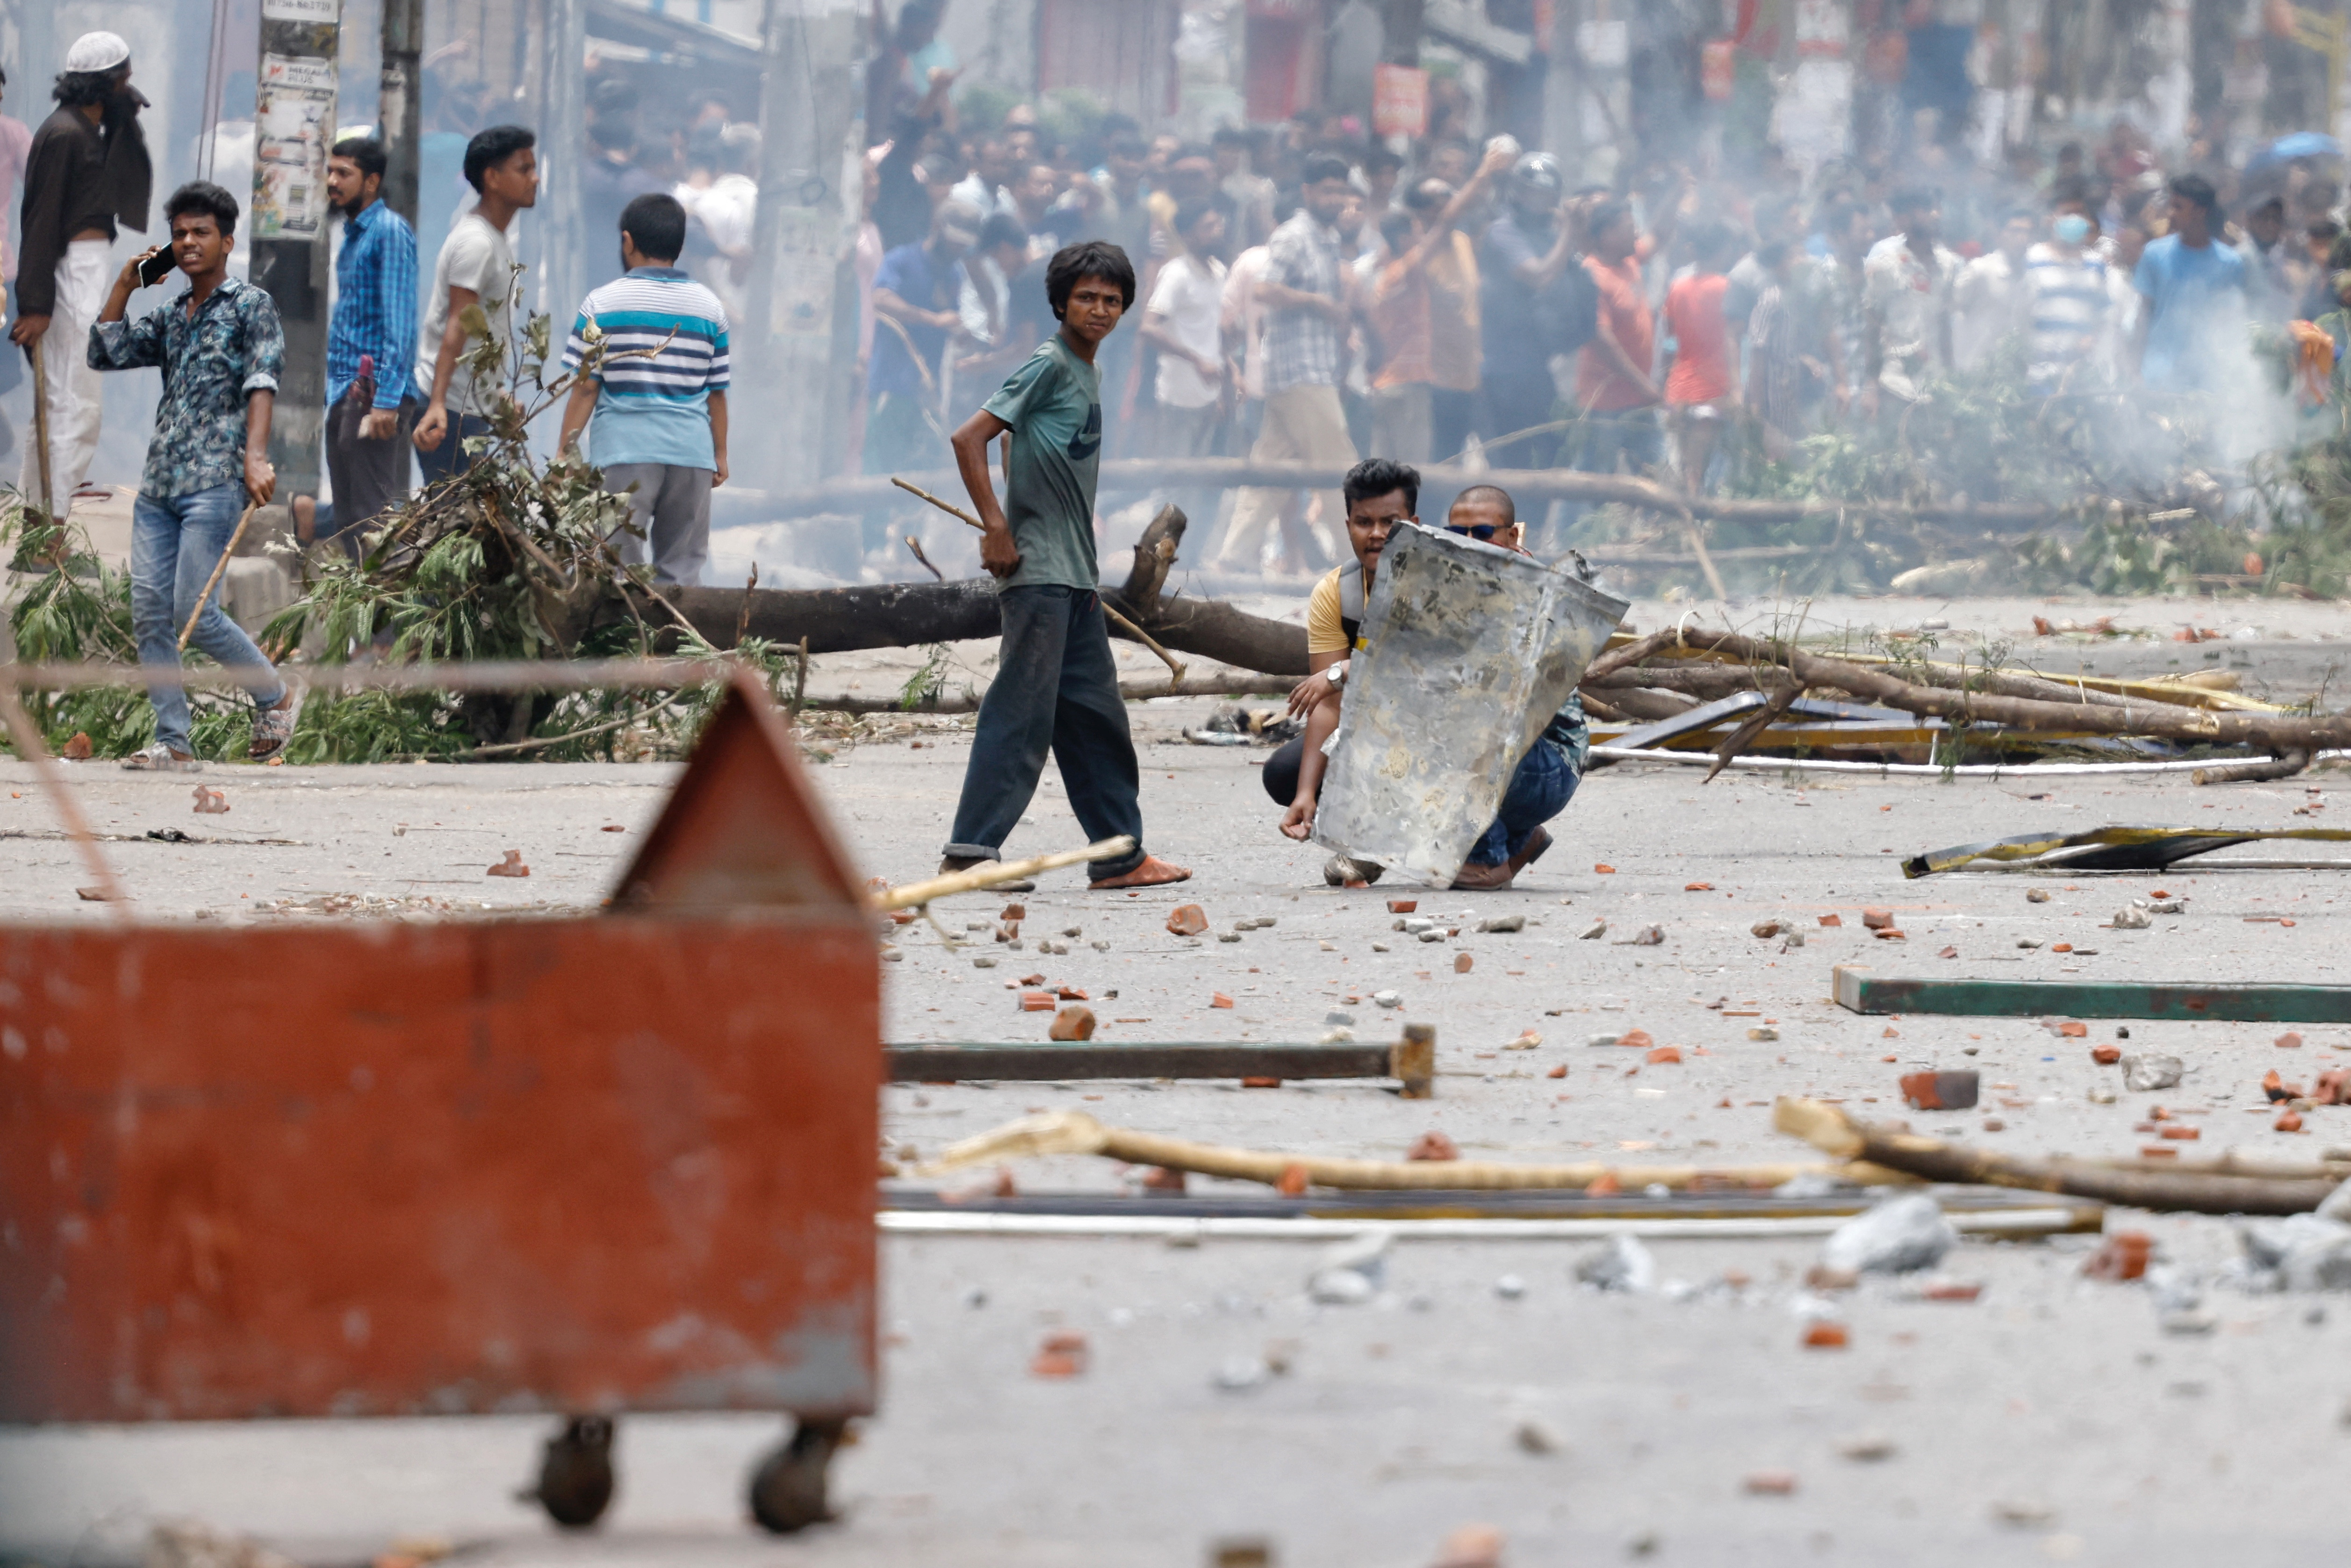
pixel 808 191
pixel 294 130
pixel 402 89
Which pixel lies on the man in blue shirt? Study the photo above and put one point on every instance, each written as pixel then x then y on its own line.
pixel 2196 308
pixel 221 350
pixel 657 395
pixel 370 342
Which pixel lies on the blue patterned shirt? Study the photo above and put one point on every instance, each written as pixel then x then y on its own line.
pixel 375 305
pixel 233 348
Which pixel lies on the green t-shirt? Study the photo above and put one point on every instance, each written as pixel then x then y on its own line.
pixel 1053 404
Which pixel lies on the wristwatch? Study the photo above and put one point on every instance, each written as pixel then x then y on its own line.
pixel 1337 673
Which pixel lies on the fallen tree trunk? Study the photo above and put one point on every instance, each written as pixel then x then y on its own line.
pixel 911 614
pixel 1526 486
pixel 2142 1186
pixel 2168 721
pixel 1135 688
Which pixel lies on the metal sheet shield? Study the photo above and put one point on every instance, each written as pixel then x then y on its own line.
pixel 1470 650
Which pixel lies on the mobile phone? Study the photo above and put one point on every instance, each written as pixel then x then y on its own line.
pixel 156 267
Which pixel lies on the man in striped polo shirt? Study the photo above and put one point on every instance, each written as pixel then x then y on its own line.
pixel 659 396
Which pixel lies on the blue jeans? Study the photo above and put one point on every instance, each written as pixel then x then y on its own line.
pixel 1540 789
pixel 175 542
pixel 1055 690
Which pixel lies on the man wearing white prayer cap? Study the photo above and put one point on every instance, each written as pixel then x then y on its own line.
pixel 87 171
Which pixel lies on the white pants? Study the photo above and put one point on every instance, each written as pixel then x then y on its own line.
pixel 75 399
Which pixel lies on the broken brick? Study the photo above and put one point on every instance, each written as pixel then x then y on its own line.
pixel 1939 1091
pixel 1604 1184
pixel 1778 1483
pixel 1260 1082
pixel 1877 919
pixel 1603 870
pixel 1402 906
pixel 2061 947
pixel 1032 980
pixel 1072 994
pixel 2158 1151
pixel 78 750
pixel 1672 1053
pixel 2179 1132
pixel 1062 1355
pixel 1559 1072
pixel 1014 912
pixel 1188 920
pixel 1767 928
pixel 1831 920
pixel 1952 1290
pixel 2074 1031
pixel 1433 1145
pixel 1218 999
pixel 1072 1023
pixel 2291 1122
pixel 510 866
pixel 1891 933
pixel 2289 1041
pixel 2106 1055
pixel 1822 1335
pixel 1035 1001
pixel 1636 1038
pixel 1697 887
pixel 2123 1255
pixel 1291 1183
pixel 1948 953
pixel 1462 962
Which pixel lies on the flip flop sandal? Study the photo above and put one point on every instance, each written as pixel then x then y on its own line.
pixel 273 728
pixel 161 759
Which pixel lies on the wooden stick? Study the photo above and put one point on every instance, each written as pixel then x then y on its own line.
pixel 1137 633
pixel 915 894
pixel 34 351
pixel 214 582
pixel 2142 1184
pixel 29 746
pixel 1074 1132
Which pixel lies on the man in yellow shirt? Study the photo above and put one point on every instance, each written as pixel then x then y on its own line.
pixel 1381 494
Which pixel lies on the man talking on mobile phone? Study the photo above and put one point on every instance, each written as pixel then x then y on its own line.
pixel 221 350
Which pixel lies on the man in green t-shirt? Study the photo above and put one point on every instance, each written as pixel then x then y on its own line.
pixel 1056 687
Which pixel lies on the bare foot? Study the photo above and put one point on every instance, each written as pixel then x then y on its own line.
pixel 1152 873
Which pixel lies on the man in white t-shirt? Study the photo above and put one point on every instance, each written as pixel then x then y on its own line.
pixel 1185 322
pixel 476 267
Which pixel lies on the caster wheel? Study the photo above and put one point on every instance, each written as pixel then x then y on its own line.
pixel 575 1475
pixel 788 1488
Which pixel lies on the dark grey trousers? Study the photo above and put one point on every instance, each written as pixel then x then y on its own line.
pixel 1056 689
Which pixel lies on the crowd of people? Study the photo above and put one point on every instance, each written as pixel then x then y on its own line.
pixel 1307 293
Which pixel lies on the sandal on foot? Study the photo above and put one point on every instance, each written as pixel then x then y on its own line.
pixel 272 729
pixel 1152 873
pixel 161 759
pixel 955 863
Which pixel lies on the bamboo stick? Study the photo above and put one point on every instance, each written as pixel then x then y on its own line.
pixel 915 894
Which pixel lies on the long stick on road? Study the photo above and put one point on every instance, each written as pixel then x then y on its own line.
pixel 1139 635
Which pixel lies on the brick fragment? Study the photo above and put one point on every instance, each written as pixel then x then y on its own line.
pixel 1072 1023
pixel 1433 1145
pixel 2123 1255
pixel 1035 1001
pixel 1877 919
pixel 1819 1335
pixel 2106 1055
pixel 1187 920
pixel 1218 999
pixel 1672 1053
pixel 1954 1091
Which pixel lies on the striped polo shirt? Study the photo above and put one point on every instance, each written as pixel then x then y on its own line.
pixel 664 354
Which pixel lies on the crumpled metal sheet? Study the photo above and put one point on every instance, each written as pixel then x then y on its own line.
pixel 1471 650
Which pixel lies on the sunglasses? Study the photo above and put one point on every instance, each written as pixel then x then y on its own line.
pixel 1482 532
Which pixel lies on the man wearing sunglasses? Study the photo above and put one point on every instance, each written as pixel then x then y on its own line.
pixel 1379 495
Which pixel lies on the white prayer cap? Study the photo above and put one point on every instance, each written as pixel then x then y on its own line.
pixel 96 52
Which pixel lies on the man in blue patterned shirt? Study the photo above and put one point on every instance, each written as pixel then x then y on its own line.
pixel 370 341
pixel 221 349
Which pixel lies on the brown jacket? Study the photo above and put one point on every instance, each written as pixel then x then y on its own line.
pixel 76 177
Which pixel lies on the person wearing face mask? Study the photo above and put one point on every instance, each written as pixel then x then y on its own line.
pixel 2069 298
pixel 87 171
